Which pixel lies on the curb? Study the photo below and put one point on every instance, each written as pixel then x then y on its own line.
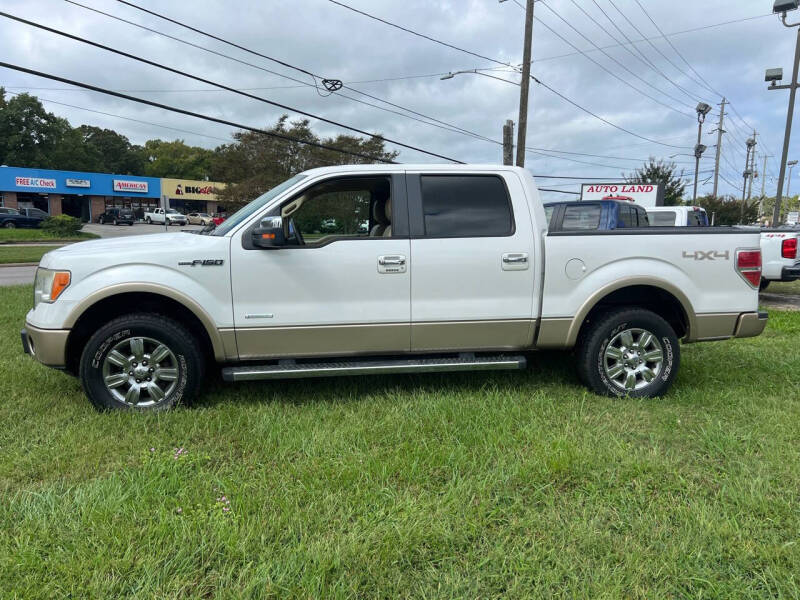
pixel 27 264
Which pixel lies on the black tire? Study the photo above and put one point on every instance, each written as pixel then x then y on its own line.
pixel 114 222
pixel 593 363
pixel 186 361
pixel 148 220
pixel 101 221
pixel 763 285
pixel 10 225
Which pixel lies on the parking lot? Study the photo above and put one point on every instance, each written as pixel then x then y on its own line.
pixel 137 229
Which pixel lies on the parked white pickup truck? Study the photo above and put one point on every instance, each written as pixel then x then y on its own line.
pixel 456 271
pixel 780 255
pixel 172 215
pixel 677 216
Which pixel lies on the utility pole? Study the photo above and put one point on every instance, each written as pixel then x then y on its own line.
pixel 763 187
pixel 508 143
pixel 752 168
pixel 751 142
pixel 525 85
pixel 773 76
pixel 720 131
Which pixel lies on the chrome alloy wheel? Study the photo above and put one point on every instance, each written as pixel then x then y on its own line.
pixel 140 371
pixel 632 359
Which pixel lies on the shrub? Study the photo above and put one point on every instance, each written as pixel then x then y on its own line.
pixel 62 225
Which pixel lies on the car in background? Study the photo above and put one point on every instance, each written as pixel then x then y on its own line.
pixel 198 218
pixel 117 216
pixel 172 216
pixel 595 215
pixel 11 218
pixel 780 251
pixel 218 219
pixel 677 216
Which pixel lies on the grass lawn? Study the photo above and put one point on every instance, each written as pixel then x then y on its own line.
pixel 503 485
pixel 38 235
pixel 780 287
pixel 22 254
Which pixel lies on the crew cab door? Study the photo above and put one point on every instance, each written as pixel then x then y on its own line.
pixel 340 285
pixel 473 262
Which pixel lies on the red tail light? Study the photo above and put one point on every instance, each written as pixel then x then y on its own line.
pixel 748 265
pixel 789 248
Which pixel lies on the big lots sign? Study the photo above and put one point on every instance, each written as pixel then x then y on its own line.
pixel 644 194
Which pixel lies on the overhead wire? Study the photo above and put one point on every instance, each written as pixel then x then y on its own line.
pixel 182 111
pixel 225 87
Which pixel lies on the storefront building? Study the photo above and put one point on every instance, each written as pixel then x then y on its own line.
pixel 188 196
pixel 81 195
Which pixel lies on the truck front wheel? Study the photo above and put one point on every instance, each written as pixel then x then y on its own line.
pixel 629 352
pixel 143 362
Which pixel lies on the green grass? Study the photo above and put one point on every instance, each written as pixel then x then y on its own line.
pixel 504 485
pixel 23 254
pixel 780 287
pixel 39 235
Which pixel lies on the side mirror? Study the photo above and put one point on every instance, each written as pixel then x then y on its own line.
pixel 269 233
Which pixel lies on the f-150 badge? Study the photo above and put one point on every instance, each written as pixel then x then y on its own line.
pixel 208 262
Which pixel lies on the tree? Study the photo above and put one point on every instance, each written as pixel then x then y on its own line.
pixel 29 135
pixel 255 162
pixel 177 160
pixel 727 210
pixel 110 152
pixel 661 171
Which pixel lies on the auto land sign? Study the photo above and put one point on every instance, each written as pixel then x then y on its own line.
pixel 643 194
pixel 35 182
pixel 122 185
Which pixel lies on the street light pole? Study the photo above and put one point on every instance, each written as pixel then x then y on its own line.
pixel 522 122
pixel 720 131
pixel 774 75
pixel 791 165
pixel 702 110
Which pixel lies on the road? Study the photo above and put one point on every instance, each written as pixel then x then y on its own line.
pixel 22 275
pixel 16 275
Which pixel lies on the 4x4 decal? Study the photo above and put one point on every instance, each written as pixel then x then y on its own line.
pixel 707 255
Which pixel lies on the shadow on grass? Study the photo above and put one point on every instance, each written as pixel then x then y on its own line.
pixel 545 369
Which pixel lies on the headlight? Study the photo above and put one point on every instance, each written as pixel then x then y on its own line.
pixel 49 285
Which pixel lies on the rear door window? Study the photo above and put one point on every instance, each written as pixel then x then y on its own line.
pixel 581 216
pixel 466 206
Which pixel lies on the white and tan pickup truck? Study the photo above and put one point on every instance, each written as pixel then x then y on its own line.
pixel 353 270
pixel 781 255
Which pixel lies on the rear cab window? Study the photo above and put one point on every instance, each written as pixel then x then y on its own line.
pixel 466 206
pixel 581 217
pixel 665 218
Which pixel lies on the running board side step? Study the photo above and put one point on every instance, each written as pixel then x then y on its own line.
pixel 292 370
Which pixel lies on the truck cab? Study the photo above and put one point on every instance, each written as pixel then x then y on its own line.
pixel 595 215
pixel 677 216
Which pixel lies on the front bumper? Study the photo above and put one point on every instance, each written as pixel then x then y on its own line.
pixel 790 273
pixel 750 324
pixel 48 346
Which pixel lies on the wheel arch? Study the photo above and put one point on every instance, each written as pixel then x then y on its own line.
pixel 658 295
pixel 114 301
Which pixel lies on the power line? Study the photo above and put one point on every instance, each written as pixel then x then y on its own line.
pixel 314 85
pixel 222 86
pixel 614 75
pixel 650 43
pixel 416 33
pixel 182 111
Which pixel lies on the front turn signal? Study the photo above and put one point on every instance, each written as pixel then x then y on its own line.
pixel 60 283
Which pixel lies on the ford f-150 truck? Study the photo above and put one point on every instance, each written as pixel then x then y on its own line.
pixel 781 255
pixel 455 271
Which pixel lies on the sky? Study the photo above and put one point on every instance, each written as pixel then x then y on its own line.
pixel 642 93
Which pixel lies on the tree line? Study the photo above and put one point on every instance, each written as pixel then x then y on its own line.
pixel 250 164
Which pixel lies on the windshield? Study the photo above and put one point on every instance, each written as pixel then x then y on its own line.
pixel 249 209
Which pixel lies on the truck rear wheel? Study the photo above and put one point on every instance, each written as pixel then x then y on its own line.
pixel 143 362
pixel 629 352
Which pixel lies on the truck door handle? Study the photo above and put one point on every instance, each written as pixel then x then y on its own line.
pixel 391 261
pixel 517 258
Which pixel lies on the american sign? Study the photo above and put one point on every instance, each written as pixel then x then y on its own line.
pixel 122 185
pixel 643 194
pixel 35 182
